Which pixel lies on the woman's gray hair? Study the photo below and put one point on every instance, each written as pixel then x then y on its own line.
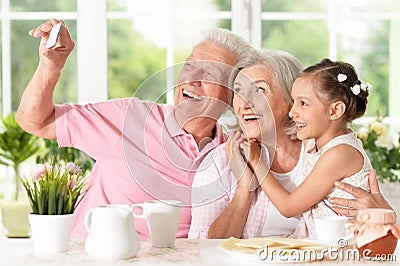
pixel 286 68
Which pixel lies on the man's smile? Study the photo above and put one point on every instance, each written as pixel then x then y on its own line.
pixel 191 96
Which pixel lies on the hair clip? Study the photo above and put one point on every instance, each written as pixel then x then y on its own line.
pixel 365 86
pixel 355 89
pixel 341 77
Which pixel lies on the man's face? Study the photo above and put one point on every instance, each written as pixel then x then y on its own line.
pixel 202 88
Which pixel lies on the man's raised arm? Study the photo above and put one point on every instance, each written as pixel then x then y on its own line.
pixel 35 113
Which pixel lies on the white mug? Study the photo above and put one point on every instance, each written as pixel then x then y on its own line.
pixel 331 230
pixel 163 218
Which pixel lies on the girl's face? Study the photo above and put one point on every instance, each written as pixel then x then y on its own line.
pixel 309 112
pixel 259 103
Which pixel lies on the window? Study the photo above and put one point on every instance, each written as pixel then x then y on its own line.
pixel 360 32
pixel 143 37
pixel 19 50
pixel 120 43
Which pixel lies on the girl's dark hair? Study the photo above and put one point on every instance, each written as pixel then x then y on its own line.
pixel 325 80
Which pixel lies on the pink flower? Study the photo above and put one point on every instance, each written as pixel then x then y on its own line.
pixel 38 171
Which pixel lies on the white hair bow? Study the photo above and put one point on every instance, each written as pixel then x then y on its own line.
pixel 341 77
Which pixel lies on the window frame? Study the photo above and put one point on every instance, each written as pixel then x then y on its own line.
pixel 246 19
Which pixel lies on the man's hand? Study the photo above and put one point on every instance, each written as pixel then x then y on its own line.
pixel 362 199
pixel 54 57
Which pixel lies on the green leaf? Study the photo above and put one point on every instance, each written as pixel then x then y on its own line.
pixel 16 145
pixel 52 200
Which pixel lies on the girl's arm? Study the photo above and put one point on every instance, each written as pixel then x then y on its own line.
pixel 337 163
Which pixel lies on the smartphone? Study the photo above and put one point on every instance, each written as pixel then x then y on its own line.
pixel 53 37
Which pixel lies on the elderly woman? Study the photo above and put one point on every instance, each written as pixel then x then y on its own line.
pixel 226 200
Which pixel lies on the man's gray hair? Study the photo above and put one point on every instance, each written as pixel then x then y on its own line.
pixel 226 39
pixel 286 68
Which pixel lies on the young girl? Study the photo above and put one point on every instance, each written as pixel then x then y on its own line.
pixel 327 96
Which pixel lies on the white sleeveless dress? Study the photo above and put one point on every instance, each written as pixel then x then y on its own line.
pixel 306 228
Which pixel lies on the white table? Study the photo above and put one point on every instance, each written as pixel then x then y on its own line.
pixel 186 252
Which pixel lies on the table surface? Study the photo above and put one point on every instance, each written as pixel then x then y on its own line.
pixel 14 251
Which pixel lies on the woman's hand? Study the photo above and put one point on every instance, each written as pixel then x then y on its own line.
pixel 236 148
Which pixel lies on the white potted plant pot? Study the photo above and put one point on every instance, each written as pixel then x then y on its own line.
pixel 50 233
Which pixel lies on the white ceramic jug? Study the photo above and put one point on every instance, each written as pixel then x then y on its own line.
pixel 111 232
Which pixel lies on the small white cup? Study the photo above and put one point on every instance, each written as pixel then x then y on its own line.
pixel 330 229
pixel 163 218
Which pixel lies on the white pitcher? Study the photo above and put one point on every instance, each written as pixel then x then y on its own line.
pixel 111 232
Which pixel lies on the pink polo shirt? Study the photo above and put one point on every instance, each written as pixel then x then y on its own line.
pixel 141 154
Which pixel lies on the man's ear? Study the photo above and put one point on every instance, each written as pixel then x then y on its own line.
pixel 337 110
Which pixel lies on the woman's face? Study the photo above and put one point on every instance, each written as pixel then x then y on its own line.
pixel 259 103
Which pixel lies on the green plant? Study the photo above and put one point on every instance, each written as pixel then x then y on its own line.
pixel 16 146
pixel 55 189
pixel 382 152
pixel 52 152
